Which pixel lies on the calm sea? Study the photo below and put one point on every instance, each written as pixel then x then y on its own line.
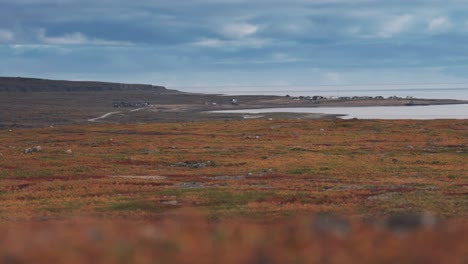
pixel 375 112
pixel 392 112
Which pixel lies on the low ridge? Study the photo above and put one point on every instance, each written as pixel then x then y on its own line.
pixel 19 84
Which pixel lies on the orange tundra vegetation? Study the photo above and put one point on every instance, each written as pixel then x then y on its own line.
pixel 250 186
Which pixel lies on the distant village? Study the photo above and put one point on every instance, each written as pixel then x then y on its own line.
pixel 131 104
pixel 311 99
pixel 344 98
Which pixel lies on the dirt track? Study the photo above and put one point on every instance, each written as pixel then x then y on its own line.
pixel 65 108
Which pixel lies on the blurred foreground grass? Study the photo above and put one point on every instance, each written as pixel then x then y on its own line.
pixel 192 238
pixel 236 192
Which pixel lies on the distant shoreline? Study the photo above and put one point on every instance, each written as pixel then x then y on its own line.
pixel 421 112
pixel 83 101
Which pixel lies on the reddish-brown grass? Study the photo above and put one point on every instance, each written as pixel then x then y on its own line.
pixel 252 177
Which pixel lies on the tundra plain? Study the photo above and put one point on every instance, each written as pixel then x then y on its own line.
pixel 256 191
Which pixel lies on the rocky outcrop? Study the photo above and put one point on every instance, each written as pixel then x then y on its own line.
pixel 33 149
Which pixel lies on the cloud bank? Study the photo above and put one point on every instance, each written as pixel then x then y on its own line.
pixel 236 42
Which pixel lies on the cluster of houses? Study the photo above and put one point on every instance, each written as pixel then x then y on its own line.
pixel 318 98
pixel 233 102
pixel 131 104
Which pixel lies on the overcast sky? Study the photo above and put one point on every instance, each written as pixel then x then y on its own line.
pixel 190 43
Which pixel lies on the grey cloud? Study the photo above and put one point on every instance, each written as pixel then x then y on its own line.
pixel 84 37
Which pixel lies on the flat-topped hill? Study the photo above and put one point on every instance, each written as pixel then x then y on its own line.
pixel 19 84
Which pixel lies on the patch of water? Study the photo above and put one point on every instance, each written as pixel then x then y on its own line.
pixel 459 111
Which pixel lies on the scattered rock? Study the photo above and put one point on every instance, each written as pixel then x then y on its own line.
pixel 383 196
pixel 148 151
pixel 252 137
pixel 264 171
pixel 195 164
pixel 173 202
pixel 69 151
pixel 37 149
pixel 190 185
pixel 33 149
